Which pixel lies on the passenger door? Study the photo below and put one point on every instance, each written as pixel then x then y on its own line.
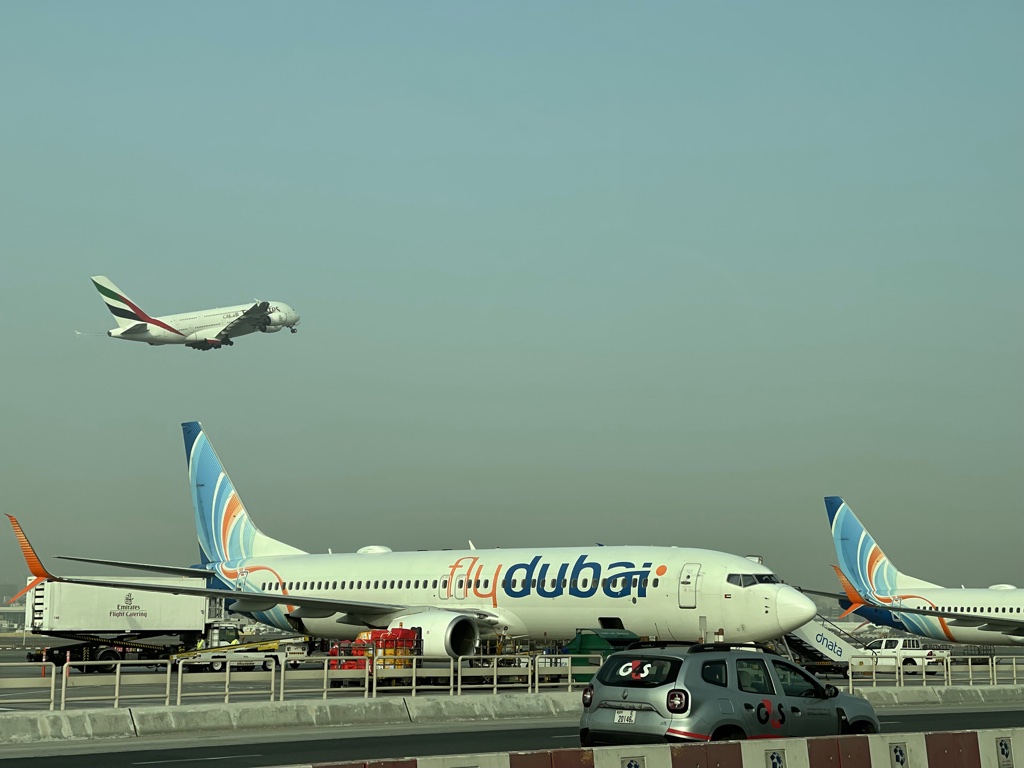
pixel 764 711
pixel 809 710
pixel 688 585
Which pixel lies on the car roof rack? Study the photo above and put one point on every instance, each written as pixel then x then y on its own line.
pixel 695 647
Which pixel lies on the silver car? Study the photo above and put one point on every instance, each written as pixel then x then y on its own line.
pixel 667 692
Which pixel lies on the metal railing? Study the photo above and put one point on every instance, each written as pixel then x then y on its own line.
pixel 901 671
pixel 47 680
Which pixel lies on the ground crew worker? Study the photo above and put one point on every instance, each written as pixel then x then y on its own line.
pixel 334 653
pixel 201 644
pixel 234 642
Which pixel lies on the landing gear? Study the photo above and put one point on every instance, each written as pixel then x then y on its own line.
pixel 294 330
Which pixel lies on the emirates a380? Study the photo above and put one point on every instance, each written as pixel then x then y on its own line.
pixel 203 329
pixel 455 597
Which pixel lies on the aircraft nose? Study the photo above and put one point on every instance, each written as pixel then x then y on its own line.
pixel 794 609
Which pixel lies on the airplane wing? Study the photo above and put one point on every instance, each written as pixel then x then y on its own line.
pixel 246 602
pixel 247 322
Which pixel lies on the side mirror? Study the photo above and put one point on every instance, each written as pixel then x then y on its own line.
pixel 831 691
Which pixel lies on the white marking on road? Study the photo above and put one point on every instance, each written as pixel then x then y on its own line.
pixel 574 736
pixel 194 759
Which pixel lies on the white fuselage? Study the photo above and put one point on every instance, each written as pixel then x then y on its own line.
pixel 661 592
pixel 991 606
pixel 187 327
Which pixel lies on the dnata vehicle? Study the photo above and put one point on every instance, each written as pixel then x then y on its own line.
pixel 669 692
pixel 455 597
pixel 203 329
pixel 876 589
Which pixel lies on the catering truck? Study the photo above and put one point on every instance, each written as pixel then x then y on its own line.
pixel 109 624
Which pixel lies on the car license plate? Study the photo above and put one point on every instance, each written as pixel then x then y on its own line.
pixel 625 716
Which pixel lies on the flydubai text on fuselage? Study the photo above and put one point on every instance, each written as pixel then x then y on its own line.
pixel 203 329
pixel 992 616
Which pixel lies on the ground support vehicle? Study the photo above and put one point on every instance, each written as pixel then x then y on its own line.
pixel 659 692
pixel 263 654
pixel 908 653
pixel 109 624
pixel 376 649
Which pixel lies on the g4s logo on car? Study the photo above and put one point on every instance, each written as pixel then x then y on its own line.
pixel 767 713
pixel 637 670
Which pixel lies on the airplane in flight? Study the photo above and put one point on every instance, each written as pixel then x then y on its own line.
pixel 204 329
pixel 455 597
pixel 876 589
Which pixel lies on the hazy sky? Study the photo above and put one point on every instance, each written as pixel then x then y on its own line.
pixel 653 273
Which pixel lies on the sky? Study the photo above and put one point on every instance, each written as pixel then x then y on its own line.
pixel 639 273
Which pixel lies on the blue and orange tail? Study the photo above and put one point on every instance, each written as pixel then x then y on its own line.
pixel 225 530
pixel 868 571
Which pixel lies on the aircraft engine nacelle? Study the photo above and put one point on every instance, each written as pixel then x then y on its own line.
pixel 275 322
pixel 443 633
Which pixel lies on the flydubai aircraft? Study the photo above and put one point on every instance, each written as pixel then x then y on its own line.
pixel 456 597
pixel 874 586
pixel 204 329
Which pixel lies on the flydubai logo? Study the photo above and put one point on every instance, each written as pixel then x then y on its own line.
pixel 582 578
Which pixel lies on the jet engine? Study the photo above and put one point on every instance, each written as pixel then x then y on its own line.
pixel 443 633
pixel 275 322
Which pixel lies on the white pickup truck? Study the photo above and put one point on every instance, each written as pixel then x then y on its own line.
pixel 908 652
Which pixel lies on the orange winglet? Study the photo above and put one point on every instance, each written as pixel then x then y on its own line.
pixel 35 566
pixel 856 601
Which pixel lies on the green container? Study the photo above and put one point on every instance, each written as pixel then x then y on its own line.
pixel 600 641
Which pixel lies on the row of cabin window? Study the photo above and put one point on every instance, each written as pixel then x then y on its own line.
pixel 980 610
pixel 427 584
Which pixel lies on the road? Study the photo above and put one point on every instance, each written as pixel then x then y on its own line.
pixel 286 748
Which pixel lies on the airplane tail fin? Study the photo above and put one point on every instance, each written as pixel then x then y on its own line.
pixel 225 530
pixel 125 311
pixel 35 565
pixel 862 562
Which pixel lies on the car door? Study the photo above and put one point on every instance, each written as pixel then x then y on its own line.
pixel 808 708
pixel 764 710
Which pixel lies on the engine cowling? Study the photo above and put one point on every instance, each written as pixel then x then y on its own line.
pixel 275 322
pixel 443 633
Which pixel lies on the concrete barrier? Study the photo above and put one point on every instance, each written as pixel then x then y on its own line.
pixel 502 706
pixel 205 718
pixel 32 727
pixel 977 694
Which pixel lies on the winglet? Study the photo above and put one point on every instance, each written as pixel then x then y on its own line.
pixel 35 566
pixel 856 601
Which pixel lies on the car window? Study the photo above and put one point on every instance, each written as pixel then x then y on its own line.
pixel 875 645
pixel 639 671
pixel 796 682
pixel 890 644
pixel 752 676
pixel 715 672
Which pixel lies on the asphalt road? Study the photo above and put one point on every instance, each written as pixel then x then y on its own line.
pixel 290 748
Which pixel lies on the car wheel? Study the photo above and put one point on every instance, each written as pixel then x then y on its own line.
pixel 728 733
pixel 862 727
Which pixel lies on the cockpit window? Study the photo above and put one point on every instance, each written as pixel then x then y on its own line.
pixel 750 579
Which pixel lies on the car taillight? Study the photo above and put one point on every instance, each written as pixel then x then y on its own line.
pixel 588 695
pixel 677 701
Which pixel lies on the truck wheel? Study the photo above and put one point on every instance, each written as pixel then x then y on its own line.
pixel 269 663
pixel 909 667
pixel 108 654
pixel 217 665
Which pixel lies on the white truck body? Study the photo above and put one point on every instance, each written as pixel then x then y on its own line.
pixel 54 607
pixel 889 652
